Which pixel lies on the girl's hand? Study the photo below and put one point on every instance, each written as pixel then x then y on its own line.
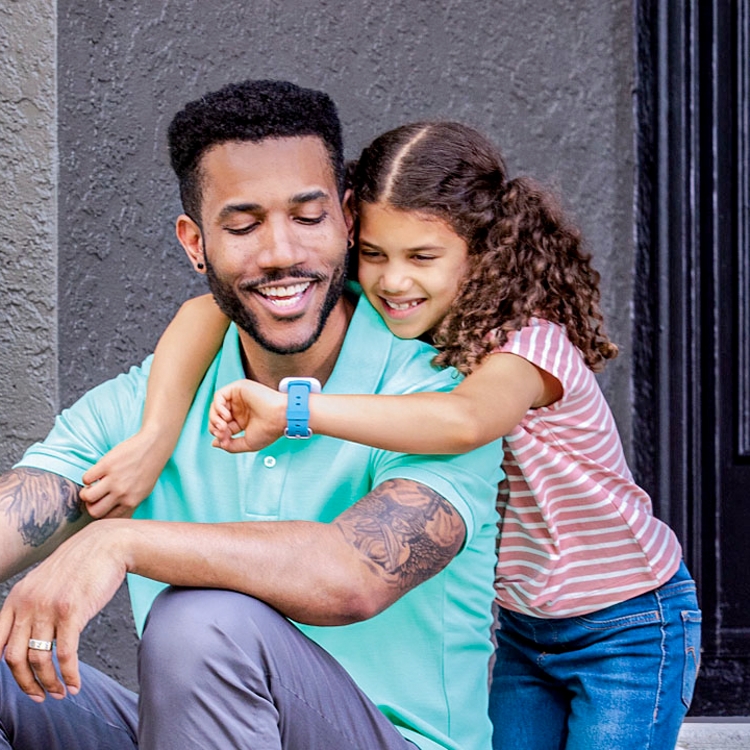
pixel 246 405
pixel 122 478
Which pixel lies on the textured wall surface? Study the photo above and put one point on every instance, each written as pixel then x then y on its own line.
pixel 28 225
pixel 550 82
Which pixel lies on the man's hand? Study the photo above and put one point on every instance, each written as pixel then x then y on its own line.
pixel 246 405
pixel 55 601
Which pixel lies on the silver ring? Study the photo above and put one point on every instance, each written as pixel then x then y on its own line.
pixel 40 645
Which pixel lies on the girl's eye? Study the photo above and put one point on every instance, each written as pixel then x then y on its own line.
pixel 369 254
pixel 421 257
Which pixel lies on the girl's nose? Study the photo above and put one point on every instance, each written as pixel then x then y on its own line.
pixel 394 279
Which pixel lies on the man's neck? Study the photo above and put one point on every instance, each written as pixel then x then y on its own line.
pixel 316 362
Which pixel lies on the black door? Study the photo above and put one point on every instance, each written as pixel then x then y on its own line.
pixel 692 313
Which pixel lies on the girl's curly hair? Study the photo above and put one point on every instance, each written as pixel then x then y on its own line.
pixel 526 259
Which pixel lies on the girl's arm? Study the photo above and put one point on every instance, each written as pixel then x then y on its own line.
pixel 118 482
pixel 485 406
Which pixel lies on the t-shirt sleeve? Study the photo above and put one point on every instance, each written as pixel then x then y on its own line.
pixel 546 345
pixel 99 420
pixel 468 482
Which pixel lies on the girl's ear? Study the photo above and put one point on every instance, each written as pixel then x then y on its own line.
pixel 191 239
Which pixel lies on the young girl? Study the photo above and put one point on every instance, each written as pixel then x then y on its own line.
pixel 598 624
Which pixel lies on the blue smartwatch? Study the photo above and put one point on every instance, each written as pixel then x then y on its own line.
pixel 298 405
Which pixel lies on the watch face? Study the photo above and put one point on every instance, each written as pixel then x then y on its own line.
pixel 314 384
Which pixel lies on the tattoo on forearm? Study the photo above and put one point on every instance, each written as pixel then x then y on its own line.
pixel 38 503
pixel 407 531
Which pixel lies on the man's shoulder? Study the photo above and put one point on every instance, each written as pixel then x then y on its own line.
pixel 373 360
pixel 129 384
pixel 102 417
pixel 409 368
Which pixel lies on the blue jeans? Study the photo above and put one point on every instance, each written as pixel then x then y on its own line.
pixel 618 679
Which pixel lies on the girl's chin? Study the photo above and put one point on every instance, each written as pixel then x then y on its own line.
pixel 406 332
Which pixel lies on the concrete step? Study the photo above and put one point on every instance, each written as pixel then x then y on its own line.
pixel 713 733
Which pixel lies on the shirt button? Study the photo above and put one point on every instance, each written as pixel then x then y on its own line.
pixel 269 461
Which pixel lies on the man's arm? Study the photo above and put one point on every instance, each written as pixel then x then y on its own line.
pixel 404 533
pixel 38 510
pixel 397 536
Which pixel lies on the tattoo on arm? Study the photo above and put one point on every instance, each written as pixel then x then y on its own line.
pixel 38 503
pixel 407 531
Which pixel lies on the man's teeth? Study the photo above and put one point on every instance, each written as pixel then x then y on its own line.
pixel 284 296
pixel 402 305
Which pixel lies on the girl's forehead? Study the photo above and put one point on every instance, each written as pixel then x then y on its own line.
pixel 384 212
pixel 383 225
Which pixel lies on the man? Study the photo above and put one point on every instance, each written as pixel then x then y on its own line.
pixel 382 561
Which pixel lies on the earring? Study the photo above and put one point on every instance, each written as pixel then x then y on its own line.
pixel 349 244
pixel 199 266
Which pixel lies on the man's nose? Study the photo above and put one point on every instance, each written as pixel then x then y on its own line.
pixel 281 246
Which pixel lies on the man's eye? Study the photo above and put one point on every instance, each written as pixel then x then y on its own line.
pixel 308 220
pixel 242 230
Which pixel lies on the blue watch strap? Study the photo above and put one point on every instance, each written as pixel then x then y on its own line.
pixel 298 405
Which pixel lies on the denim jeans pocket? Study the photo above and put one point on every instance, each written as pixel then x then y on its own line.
pixel 641 610
pixel 691 623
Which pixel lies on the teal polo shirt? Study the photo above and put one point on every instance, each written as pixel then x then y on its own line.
pixel 424 660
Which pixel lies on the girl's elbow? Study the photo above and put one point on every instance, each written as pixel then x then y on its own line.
pixel 467 437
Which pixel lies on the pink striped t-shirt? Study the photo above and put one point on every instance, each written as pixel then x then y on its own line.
pixel 576 533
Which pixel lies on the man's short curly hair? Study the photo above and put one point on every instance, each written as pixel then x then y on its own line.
pixel 249 111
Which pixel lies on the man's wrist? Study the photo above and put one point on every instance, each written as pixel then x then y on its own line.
pixel 124 538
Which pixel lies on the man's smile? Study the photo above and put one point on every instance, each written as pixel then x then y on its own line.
pixel 286 296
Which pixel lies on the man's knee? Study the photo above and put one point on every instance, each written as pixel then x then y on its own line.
pixel 198 626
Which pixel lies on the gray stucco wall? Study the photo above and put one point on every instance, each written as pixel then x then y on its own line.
pixel 551 82
pixel 28 225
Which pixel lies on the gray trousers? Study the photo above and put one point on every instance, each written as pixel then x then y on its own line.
pixel 216 669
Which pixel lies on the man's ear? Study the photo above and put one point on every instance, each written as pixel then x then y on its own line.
pixel 191 239
pixel 347 206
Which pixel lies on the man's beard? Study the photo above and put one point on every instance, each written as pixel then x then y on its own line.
pixel 231 305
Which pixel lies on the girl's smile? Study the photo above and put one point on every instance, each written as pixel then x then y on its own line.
pixel 411 266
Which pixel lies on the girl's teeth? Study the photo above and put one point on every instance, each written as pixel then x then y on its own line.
pixel 403 305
